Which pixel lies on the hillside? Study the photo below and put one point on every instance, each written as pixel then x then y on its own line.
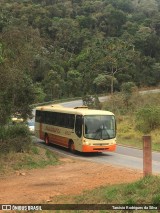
pixel 64 48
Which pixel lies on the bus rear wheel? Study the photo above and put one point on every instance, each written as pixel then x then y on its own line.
pixel 46 139
pixel 72 147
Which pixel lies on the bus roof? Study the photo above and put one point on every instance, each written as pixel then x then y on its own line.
pixel 83 110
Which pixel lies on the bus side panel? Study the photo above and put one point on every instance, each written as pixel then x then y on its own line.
pixel 53 138
pixel 39 132
pixel 64 137
pixel 59 140
pixel 41 135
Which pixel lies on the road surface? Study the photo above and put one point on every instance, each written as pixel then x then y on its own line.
pixel 76 103
pixel 124 156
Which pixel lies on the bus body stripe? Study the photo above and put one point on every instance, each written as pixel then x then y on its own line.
pixel 86 148
pixel 59 140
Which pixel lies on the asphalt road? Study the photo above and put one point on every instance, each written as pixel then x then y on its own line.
pixel 124 156
pixel 73 104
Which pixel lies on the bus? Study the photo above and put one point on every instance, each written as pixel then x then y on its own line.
pixel 78 129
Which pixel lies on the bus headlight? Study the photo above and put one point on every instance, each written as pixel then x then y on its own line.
pixel 86 142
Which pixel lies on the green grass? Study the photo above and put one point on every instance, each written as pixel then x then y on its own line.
pixel 127 131
pixel 36 158
pixel 43 158
pixel 35 150
pixel 128 135
pixel 145 191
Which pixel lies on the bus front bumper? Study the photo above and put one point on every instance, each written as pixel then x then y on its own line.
pixel 110 148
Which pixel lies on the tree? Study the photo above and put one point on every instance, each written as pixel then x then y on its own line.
pixel 127 90
pixel 111 41
pixel 102 82
pixel 74 83
pixel 16 95
pixel 40 95
pixel 1 55
pixel 17 91
pixel 53 85
pixel 111 21
pixel 117 57
pixel 148 119
pixel 23 94
pixel 149 7
pixel 86 22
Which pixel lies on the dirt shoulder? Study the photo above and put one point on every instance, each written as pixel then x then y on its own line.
pixel 70 177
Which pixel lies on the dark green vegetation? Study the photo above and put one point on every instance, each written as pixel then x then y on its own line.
pixel 144 191
pixel 148 118
pixel 64 48
pixel 14 138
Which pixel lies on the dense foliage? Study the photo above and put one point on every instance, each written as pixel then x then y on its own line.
pixel 14 139
pixel 62 48
pixel 148 119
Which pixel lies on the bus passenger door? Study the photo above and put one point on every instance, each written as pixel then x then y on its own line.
pixel 78 133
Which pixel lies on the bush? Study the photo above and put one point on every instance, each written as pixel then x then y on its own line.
pixel 14 138
pixel 18 130
pixel 115 104
pixel 148 119
pixel 3 133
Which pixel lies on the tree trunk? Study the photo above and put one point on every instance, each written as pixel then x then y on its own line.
pixel 112 82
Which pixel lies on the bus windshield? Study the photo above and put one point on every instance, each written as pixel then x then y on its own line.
pixel 99 127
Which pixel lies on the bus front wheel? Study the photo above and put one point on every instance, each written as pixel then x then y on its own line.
pixel 46 139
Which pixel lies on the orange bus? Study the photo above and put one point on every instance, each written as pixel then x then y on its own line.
pixel 78 129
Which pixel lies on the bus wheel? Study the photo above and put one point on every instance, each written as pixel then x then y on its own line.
pixel 46 139
pixel 72 147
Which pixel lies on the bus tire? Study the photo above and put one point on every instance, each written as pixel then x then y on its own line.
pixel 72 147
pixel 46 139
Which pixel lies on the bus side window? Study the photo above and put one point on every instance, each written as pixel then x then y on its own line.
pixel 71 121
pixel 38 116
pixel 78 126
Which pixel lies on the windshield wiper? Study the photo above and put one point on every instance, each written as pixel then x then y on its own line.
pixel 100 132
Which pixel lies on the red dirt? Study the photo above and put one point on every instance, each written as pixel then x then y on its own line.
pixel 71 177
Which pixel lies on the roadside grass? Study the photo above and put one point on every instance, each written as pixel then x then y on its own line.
pixel 127 132
pixel 144 191
pixel 37 157
pixel 128 135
